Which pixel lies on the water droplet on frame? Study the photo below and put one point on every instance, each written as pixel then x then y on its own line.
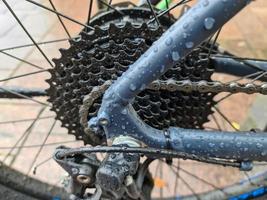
pixel 132 87
pixel 189 45
pixel 175 56
pixel 168 41
pixel 209 23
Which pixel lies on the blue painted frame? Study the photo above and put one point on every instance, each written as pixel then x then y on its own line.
pixel 117 117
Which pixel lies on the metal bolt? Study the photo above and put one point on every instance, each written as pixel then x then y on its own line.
pixel 103 122
pixel 128 180
pixel 74 170
pixel 246 166
pixel 83 179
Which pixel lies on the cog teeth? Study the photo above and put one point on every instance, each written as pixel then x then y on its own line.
pixel 56 61
pixel 75 40
pixel 98 30
pixel 113 30
pixel 101 55
pixel 63 51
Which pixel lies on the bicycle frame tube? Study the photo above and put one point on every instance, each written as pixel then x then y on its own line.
pixel 117 117
pixel 238 68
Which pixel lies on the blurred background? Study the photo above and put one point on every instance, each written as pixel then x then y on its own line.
pixel 245 35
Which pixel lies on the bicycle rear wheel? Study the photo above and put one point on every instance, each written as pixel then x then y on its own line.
pixel 134 44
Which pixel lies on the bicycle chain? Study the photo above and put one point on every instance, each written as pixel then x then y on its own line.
pixel 206 87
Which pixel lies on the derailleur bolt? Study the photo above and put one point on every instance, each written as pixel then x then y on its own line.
pixel 74 171
pixel 103 122
pixel 83 179
pixel 103 119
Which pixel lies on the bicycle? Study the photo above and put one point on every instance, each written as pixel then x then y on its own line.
pixel 130 77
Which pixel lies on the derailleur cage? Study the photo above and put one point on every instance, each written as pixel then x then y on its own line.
pixel 114 176
pixel 81 169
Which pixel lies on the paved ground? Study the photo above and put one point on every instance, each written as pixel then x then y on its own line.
pixel 245 35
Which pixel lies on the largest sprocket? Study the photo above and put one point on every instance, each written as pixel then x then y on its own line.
pixel 105 53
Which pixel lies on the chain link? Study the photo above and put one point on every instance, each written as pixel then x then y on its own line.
pixel 205 86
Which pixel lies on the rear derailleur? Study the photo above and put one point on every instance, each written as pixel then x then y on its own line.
pixel 115 177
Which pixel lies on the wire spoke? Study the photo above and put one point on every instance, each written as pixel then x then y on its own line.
pixel 201 179
pixel 168 10
pixel 26 31
pixel 90 11
pixel 160 175
pixel 186 183
pixel 167 4
pixel 60 14
pixel 153 12
pixel 39 43
pixel 239 58
pixel 157 168
pixel 60 20
pixel 39 145
pixel 244 60
pixel 42 146
pixel 24 135
pixel 225 118
pixel 258 77
pixel 204 47
pixel 239 79
pixel 214 42
pixel 225 97
pixel 109 3
pixel 216 122
pixel 111 7
pixel 176 184
pixel 100 5
pixel 21 60
pixel 25 120
pixel 231 56
pixel 23 75
pixel 41 163
pixel 24 96
pixel 260 164
pixel 247 76
pixel 249 179
pixel 167 7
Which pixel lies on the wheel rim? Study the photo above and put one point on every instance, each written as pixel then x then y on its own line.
pixel 46 117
